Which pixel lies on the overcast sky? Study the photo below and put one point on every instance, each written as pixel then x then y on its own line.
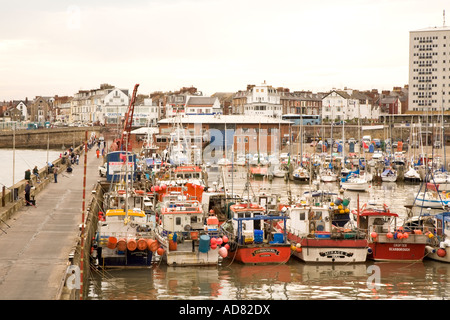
pixel 59 47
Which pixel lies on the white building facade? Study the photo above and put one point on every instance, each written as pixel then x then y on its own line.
pixel 348 104
pixel 263 100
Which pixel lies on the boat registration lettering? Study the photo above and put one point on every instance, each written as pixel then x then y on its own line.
pixel 398 249
pixel 265 252
pixel 336 253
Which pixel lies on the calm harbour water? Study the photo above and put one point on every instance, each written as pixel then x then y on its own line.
pixel 21 160
pixel 428 280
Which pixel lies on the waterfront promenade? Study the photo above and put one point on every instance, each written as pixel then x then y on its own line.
pixel 34 251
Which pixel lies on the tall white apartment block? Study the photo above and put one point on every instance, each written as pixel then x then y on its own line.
pixel 429 69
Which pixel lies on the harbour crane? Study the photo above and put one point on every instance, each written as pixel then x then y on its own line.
pixel 123 143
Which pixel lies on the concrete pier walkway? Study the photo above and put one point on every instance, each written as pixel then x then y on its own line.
pixel 34 250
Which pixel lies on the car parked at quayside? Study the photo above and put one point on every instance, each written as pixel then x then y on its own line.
pixel 102 170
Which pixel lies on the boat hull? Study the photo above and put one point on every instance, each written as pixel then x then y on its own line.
pixel 407 250
pixel 265 254
pixel 432 253
pixel 115 258
pixel 196 258
pixel 436 204
pixel 388 178
pixel 355 186
pixel 331 250
pixel 328 178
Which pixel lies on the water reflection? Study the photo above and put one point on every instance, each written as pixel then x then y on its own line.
pixel 292 281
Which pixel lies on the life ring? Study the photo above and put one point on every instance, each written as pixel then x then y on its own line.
pixel 140 191
pixel 121 191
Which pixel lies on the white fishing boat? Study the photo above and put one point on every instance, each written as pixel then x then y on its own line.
pixel 184 237
pixel 389 175
pixel 317 236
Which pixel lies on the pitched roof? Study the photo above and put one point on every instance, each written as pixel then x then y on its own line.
pixel 201 101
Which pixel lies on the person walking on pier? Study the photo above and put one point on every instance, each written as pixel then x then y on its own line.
pixel 55 173
pixel 27 193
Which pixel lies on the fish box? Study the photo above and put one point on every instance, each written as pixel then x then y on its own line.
pixel 259 234
pixel 278 238
pixel 322 235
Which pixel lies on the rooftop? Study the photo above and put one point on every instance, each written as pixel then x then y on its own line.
pixel 443 28
pixel 222 119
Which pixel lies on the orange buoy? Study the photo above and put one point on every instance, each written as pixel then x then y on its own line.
pixel 112 242
pixel 389 235
pixel 172 245
pixel 160 251
pixel 417 231
pixel 152 245
pixel 142 244
pixel 131 244
pixel 373 234
pixel 441 252
pixel 405 235
pixel 121 245
pixel 194 235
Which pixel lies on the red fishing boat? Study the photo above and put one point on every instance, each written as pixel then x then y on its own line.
pixel 253 237
pixel 387 240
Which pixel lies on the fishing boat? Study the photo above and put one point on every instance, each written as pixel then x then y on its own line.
pixel 184 238
pixel 252 236
pixel 124 238
pixel 126 223
pixel 389 175
pixel 436 228
pixel 125 227
pixel 318 235
pixel 387 240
